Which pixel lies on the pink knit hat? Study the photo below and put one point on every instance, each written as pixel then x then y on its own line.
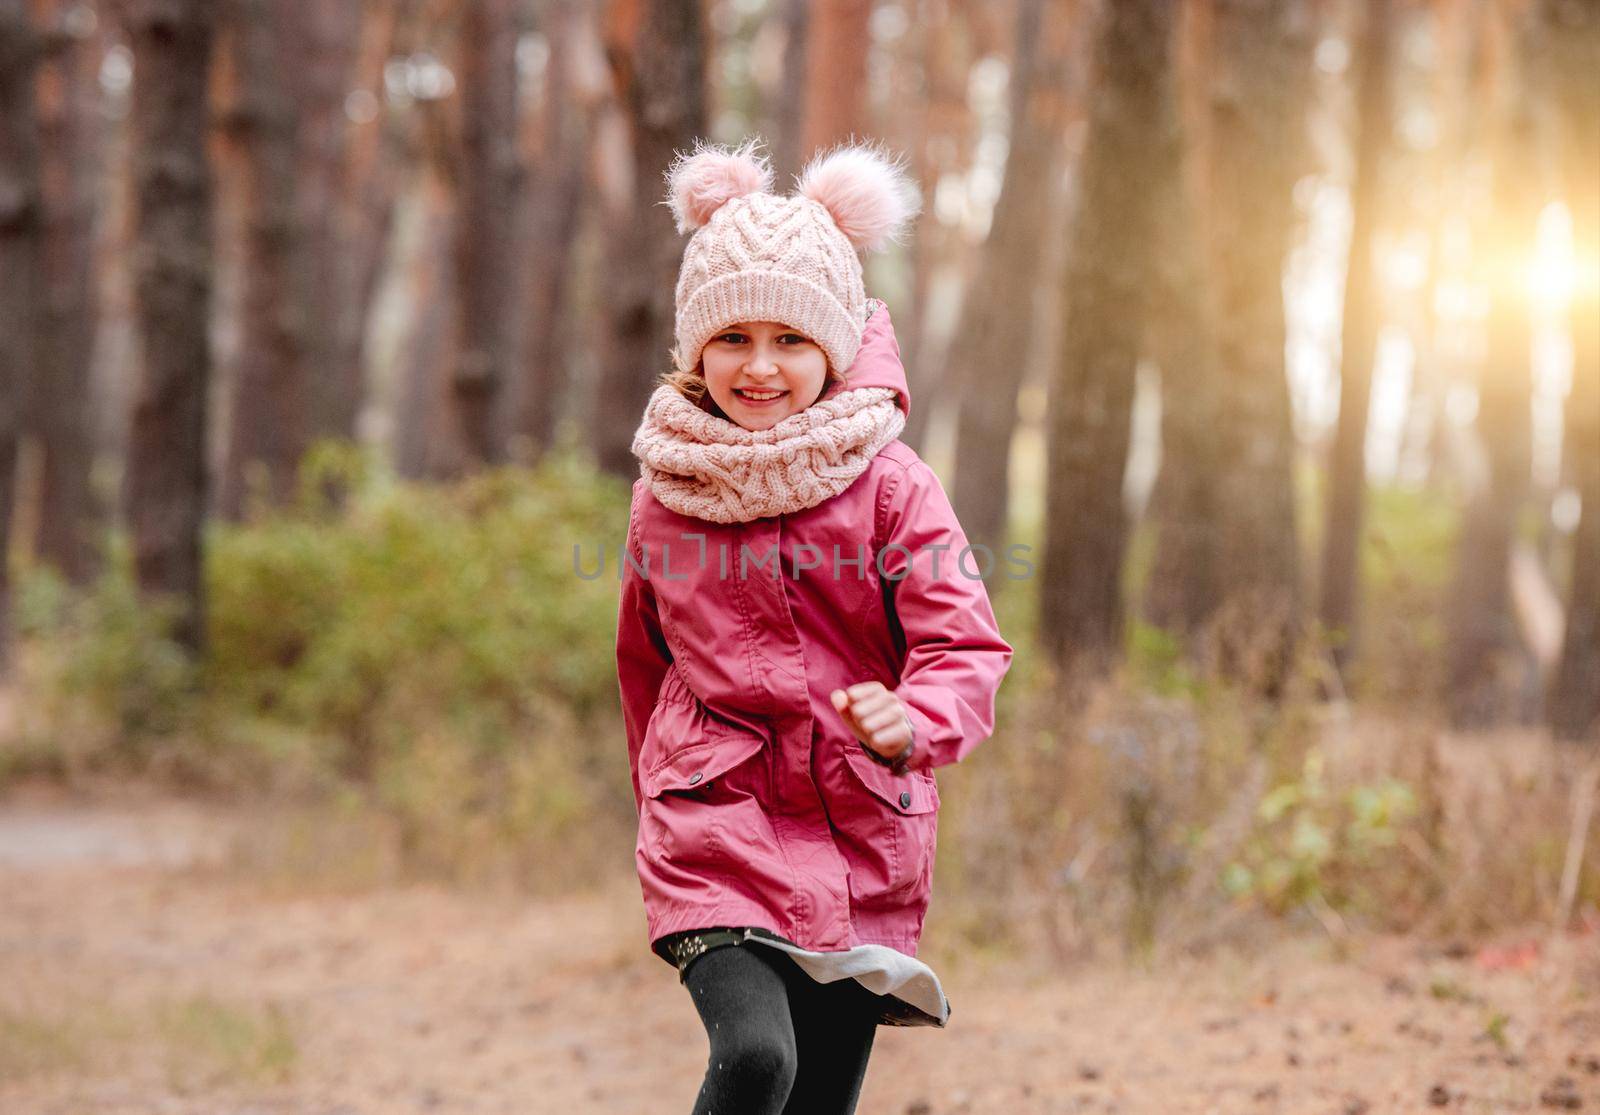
pixel 755 256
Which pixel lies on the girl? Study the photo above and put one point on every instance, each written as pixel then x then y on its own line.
pixel 802 638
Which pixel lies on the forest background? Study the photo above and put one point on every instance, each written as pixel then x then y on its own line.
pixel 1272 327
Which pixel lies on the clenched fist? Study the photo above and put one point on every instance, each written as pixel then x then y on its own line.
pixel 876 716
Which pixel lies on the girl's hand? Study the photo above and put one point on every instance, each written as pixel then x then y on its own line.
pixel 875 715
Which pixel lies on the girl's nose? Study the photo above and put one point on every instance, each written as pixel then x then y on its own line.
pixel 761 360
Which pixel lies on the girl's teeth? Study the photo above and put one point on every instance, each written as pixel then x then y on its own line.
pixel 761 395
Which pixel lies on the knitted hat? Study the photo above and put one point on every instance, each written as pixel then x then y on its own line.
pixel 756 256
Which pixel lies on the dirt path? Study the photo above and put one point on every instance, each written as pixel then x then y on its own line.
pixel 137 976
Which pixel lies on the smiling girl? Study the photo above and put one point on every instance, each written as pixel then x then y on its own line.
pixel 783 729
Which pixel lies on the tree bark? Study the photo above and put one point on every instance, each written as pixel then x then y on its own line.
pixel 836 74
pixel 991 350
pixel 1229 443
pixel 331 39
pixel 69 146
pixel 269 424
pixel 166 474
pixel 1183 584
pixel 1110 258
pixel 1347 471
pixel 487 173
pixel 552 212
pixel 21 246
pixel 659 65
pixel 1485 662
pixel 1572 31
pixel 788 153
pixel 368 185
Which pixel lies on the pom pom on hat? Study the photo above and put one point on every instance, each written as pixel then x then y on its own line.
pixel 703 182
pixel 870 197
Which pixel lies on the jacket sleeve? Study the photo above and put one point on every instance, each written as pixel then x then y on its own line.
pixel 954 654
pixel 642 655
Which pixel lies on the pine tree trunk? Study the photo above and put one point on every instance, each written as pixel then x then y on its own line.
pixel 1259 122
pixel 21 246
pixel 1485 663
pixel 487 172
pixel 836 74
pixel 1110 257
pixel 552 214
pixel 659 62
pixel 69 147
pixel 425 352
pixel 269 425
pixel 1573 32
pixel 166 474
pixel 331 40
pixel 992 348
pixel 366 204
pixel 1347 472
pixel 1182 583
pixel 788 152
pixel 1228 559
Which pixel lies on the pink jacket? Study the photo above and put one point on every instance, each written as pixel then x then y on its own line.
pixel 757 806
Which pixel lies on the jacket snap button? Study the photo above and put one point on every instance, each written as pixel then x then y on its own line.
pixel 905 799
pixel 699 774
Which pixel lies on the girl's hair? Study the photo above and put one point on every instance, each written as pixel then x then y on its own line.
pixel 691 382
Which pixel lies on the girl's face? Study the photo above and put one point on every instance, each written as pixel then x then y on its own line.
pixel 761 372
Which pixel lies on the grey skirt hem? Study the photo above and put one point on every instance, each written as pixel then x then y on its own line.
pixel 911 992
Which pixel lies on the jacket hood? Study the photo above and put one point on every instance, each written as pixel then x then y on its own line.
pixel 877 362
pixel 877 365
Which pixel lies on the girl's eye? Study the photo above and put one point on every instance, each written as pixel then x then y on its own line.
pixel 786 338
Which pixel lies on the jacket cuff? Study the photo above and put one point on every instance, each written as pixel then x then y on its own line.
pixel 901 762
pixel 931 743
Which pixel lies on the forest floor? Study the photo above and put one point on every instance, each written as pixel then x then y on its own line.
pixel 143 971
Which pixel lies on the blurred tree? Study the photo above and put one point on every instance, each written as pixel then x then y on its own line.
pixel 21 244
pixel 1457 98
pixel 69 155
pixel 366 181
pixel 427 335
pixel 788 154
pixel 166 471
pixel 840 34
pixel 1227 560
pixel 1572 30
pixel 930 113
pixel 337 98
pixel 551 213
pixel 657 51
pixel 1347 465
pixel 1110 259
pixel 259 44
pixel 991 348
pixel 1485 660
pixel 1182 583
pixel 487 173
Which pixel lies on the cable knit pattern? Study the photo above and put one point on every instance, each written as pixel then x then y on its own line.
pixel 700 465
pixel 767 258
pixel 755 256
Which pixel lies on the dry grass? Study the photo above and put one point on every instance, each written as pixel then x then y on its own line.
pixel 1150 825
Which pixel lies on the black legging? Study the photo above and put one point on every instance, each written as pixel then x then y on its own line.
pixel 781 1042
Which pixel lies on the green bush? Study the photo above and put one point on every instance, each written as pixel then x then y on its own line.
pixel 366 629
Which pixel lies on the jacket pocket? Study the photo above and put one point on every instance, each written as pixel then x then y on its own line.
pixel 697 764
pixel 703 783
pixel 912 792
pixel 890 828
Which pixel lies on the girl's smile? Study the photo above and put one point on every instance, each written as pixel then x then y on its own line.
pixel 761 372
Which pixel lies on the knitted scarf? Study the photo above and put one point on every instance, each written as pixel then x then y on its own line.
pixel 707 467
